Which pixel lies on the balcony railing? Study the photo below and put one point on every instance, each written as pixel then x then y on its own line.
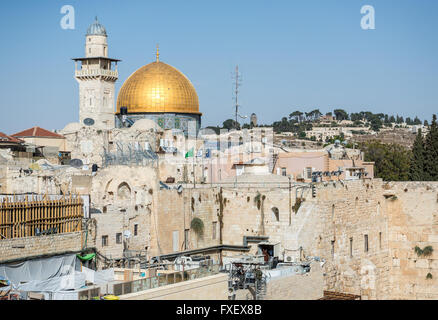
pixel 162 279
pixel 96 73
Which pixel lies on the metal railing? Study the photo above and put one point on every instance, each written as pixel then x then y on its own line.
pixel 164 279
pixel 96 72
pixel 129 154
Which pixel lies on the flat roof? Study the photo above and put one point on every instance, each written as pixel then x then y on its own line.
pixel 104 58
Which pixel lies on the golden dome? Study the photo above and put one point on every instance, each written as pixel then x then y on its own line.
pixel 158 87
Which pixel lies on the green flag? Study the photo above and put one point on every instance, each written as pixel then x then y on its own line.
pixel 189 153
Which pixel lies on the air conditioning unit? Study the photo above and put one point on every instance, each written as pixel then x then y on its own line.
pixel 292 257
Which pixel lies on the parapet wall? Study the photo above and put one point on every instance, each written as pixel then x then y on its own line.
pixel 208 288
pixel 307 286
pixel 26 248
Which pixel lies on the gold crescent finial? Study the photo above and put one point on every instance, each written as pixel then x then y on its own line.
pixel 158 53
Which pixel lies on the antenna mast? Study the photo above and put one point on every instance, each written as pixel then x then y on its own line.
pixel 237 84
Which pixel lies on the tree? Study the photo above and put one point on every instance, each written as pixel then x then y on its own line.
pixel 431 150
pixel 340 114
pixel 399 120
pixel 417 121
pixel 231 124
pixel 356 117
pixel 316 114
pixel 391 161
pixel 376 124
pixel 297 115
pixel 416 170
pixel 313 115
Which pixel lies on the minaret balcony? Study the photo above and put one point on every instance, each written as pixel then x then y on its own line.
pixel 90 74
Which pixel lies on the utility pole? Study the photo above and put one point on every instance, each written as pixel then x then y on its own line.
pixel 236 94
pixel 237 83
pixel 290 201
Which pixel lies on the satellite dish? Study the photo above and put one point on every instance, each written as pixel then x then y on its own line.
pixel 88 122
pixel 76 163
pixel 179 189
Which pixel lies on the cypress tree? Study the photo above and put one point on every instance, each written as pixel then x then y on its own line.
pixel 431 149
pixel 416 170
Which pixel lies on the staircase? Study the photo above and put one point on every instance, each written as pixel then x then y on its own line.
pixel 272 162
pixel 261 288
pixel 326 163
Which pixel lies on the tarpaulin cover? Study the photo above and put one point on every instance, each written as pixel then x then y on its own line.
pixel 98 277
pixel 72 281
pixel 86 257
pixel 56 278
pixel 38 269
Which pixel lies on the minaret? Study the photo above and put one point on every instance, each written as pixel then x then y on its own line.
pixel 96 78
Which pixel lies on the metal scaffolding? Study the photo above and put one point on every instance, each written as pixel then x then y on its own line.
pixel 249 276
pixel 129 154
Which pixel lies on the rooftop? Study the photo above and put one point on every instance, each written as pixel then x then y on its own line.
pixel 4 138
pixel 37 132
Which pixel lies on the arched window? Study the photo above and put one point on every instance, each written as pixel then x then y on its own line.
pixel 124 191
pixel 275 214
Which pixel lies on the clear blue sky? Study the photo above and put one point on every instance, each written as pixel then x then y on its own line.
pixel 292 54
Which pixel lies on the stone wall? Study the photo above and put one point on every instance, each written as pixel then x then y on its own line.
pixel 413 221
pixel 366 236
pixel 125 196
pixel 175 212
pixel 26 248
pixel 321 226
pixel 350 233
